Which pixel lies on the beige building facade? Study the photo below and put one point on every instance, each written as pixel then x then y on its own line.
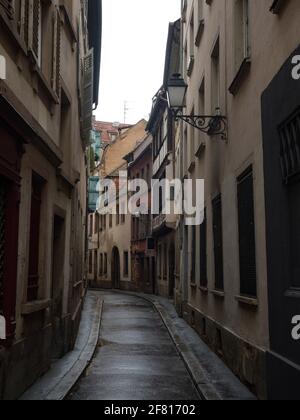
pixel 43 179
pixel 110 231
pixel 232 51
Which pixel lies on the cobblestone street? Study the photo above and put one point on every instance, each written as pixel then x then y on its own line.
pixel 136 358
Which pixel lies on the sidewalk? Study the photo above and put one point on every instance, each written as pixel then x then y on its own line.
pixel 57 383
pixel 213 379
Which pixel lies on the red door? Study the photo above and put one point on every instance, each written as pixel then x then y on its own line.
pixel 10 156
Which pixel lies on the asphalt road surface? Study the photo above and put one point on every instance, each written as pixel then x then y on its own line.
pixel 136 358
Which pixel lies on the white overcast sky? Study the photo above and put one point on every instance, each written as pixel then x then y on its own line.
pixel 133 52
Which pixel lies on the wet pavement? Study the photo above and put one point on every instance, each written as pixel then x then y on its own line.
pixel 136 358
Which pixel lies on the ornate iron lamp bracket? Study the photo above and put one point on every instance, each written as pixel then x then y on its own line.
pixel 212 125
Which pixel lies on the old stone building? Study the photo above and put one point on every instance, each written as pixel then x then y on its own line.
pixel 110 232
pixel 240 289
pixel 143 261
pixel 162 127
pixel 45 121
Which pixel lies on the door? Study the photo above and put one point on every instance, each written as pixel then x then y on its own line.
pixel 115 269
pixel 58 265
pixel 153 275
pixel 281 133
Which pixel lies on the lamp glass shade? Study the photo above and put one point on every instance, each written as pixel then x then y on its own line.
pixel 176 92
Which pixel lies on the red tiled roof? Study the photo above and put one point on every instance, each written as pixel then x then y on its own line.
pixel 108 128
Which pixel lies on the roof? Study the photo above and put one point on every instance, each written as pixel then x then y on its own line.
pixel 114 154
pixel 172 66
pixel 107 128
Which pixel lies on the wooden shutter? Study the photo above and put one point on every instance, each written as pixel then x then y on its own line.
pixel 247 247
pixel 87 94
pixel 56 52
pixel 218 242
pixel 203 253
pixel 7 5
pixel 32 26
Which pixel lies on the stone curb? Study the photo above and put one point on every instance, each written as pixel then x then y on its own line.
pixel 86 356
pixel 62 387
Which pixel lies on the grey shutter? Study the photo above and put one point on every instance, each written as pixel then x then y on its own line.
pixel 247 247
pixel 56 52
pixel 218 243
pixel 87 94
pixel 203 253
pixel 32 26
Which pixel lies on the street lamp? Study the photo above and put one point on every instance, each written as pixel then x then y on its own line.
pixel 208 124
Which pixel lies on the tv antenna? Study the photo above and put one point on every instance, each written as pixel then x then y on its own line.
pixel 126 109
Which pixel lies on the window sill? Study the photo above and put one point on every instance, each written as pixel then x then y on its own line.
pixel 193 285
pixel 244 300
pixel 240 76
pixel 218 294
pixel 203 290
pixel 34 307
pixel 15 36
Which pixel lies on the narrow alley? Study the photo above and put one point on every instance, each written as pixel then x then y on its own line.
pixel 136 358
pixel 149 201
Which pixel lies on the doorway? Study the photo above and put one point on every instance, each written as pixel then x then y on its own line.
pixel 58 265
pixel 115 268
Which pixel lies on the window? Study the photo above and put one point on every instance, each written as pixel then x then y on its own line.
pixel 215 77
pixel 241 36
pixel 126 264
pixel 289 147
pixel 110 221
pixel 96 226
pixel 191 58
pixel 165 261
pixel 118 215
pixel 200 22
pixel 203 252
pixel 55 77
pixel 160 261
pixel 218 242
pixel 33 27
pixel 105 264
pixel 91 225
pixel 201 111
pixel 90 262
pixel 34 240
pixel 193 262
pixel 247 249
pixel 101 265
